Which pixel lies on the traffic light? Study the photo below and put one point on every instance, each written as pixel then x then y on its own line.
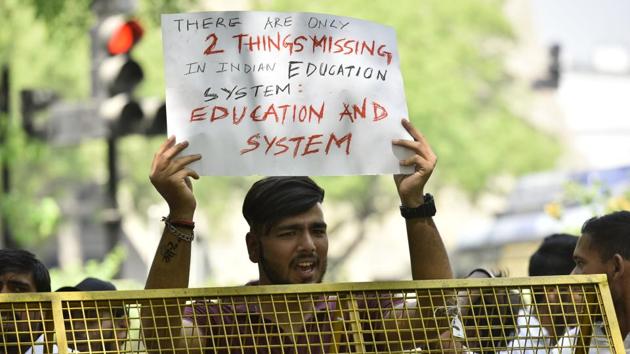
pixel 35 101
pixel 116 74
pixel 554 68
pixel 154 110
pixel 553 73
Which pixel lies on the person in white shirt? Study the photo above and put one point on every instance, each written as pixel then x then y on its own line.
pixel 604 248
pixel 540 325
pixel 599 343
pixel 40 345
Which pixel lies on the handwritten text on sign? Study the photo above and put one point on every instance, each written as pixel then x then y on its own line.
pixel 283 93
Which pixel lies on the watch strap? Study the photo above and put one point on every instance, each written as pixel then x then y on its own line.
pixel 425 210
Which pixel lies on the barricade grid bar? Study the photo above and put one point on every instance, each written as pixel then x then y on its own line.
pixel 571 313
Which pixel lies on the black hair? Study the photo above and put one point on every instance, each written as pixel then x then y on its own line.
pixel 272 199
pixel 21 261
pixel 610 234
pixel 554 256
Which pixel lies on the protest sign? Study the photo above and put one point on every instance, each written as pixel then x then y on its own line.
pixel 284 93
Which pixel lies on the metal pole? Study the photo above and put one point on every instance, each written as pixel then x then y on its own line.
pixel 112 217
pixel 7 239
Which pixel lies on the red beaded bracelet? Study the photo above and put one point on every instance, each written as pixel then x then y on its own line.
pixel 189 224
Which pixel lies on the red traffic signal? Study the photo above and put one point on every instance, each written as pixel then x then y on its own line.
pixel 116 70
pixel 120 34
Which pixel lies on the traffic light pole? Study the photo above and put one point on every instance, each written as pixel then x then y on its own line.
pixel 112 217
pixel 114 76
pixel 7 239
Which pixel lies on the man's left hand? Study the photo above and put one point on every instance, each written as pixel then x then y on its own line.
pixel 411 187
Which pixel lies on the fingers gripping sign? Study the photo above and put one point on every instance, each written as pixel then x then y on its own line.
pixel 411 186
pixel 170 175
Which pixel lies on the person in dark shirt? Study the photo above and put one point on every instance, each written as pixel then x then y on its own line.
pixel 288 241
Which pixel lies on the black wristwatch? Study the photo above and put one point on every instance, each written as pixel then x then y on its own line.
pixel 427 209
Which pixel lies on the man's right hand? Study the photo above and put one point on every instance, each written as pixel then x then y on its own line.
pixel 170 176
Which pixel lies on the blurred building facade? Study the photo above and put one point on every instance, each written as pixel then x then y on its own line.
pixel 587 109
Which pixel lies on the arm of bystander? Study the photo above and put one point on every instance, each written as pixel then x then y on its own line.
pixel 170 175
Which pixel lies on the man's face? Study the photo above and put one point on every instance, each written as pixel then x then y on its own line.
pixel 294 251
pixel 88 332
pixel 16 320
pixel 11 282
pixel 588 259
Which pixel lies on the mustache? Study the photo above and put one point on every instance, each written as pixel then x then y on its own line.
pixel 306 257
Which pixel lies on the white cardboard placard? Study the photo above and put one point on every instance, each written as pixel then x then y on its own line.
pixel 272 93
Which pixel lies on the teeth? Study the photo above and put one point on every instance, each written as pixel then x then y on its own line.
pixel 305 264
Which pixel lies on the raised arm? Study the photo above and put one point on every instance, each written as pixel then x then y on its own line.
pixel 171 264
pixel 171 178
pixel 429 259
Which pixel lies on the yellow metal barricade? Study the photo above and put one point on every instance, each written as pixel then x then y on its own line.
pixel 458 316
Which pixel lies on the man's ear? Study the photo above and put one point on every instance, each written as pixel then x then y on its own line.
pixel 619 266
pixel 252 246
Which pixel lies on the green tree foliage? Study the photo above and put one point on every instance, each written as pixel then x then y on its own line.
pixel 45 43
pixel 457 89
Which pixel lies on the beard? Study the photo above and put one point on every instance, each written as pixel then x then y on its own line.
pixel 275 277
